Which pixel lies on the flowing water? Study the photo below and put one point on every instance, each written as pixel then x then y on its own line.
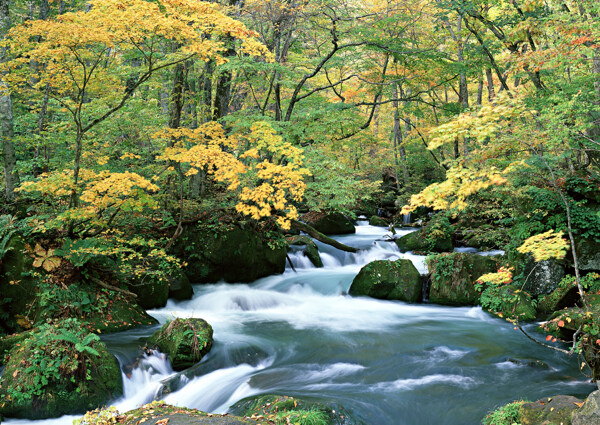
pixel 386 362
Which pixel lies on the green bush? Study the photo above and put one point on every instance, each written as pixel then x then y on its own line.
pixel 505 415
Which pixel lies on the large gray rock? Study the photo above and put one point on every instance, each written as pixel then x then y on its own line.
pixel 544 276
pixel 589 413
pixel 390 280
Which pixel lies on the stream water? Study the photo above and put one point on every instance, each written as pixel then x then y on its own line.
pixel 386 362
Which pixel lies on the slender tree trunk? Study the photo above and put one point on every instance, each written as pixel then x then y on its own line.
pixel 9 157
pixel 480 91
pixel 490 84
pixel 398 139
pixel 74 201
pixel 223 89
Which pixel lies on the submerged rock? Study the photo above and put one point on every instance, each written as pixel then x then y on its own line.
pixel 186 341
pixel 551 410
pixel 286 410
pixel 453 275
pixel 311 251
pixel 390 280
pixel 58 371
pixel 329 223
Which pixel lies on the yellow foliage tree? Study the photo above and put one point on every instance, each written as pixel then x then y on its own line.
pixel 266 171
pixel 92 62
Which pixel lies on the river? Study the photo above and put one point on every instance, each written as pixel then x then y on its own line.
pixel 386 362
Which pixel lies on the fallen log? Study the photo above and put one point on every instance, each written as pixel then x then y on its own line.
pixel 311 231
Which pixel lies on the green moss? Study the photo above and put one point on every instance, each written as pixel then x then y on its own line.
pixel 512 303
pixel 99 310
pixel 186 341
pixel 284 410
pixel 391 280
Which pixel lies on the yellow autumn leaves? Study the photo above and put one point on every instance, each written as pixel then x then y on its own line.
pixel 266 171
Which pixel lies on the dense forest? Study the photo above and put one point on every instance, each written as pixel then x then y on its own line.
pixel 147 144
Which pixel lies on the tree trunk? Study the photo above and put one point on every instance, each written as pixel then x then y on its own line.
pixel 303 227
pixel 11 178
pixel 490 84
pixel 398 138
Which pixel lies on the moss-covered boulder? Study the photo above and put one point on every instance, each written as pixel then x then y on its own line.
pixel 588 253
pixel 419 241
pixel 180 287
pixel 158 412
pixel 59 370
pixel 509 302
pixel 389 280
pixel 99 309
pixel 589 413
pixel 555 410
pixel 286 410
pixel 8 342
pixel 329 223
pixel 17 283
pixel 186 341
pixel 560 298
pixel 310 250
pixel 155 293
pixel 453 275
pixel 378 221
pixel 233 254
pixel 151 293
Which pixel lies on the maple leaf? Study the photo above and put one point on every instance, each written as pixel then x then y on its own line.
pixel 45 259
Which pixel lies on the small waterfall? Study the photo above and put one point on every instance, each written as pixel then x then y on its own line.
pixel 142 379
pixel 425 284
pixel 299 260
pixel 406 219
